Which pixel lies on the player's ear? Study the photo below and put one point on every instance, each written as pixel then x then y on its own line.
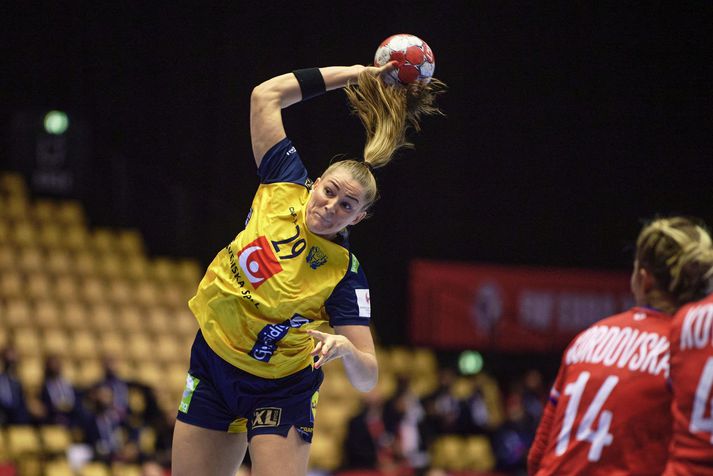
pixel 360 216
pixel 647 279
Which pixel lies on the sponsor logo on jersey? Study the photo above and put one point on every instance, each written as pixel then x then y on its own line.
pixel 258 261
pixel 355 264
pixel 313 406
pixel 364 302
pixel 266 342
pixel 316 257
pixel 191 384
pixel 267 417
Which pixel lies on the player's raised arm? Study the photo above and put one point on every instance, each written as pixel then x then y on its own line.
pixel 269 98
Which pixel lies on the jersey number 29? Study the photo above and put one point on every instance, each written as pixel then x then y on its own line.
pixel 600 437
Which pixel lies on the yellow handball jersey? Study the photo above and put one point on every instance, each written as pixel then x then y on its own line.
pixel 276 279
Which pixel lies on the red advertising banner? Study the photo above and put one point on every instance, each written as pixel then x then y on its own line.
pixel 459 306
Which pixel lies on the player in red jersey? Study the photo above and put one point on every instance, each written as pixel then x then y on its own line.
pixel 608 412
pixel 691 450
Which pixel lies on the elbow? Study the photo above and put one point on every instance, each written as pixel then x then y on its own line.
pixel 365 387
pixel 367 383
pixel 259 93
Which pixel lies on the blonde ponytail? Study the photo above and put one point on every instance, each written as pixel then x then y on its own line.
pixel 387 112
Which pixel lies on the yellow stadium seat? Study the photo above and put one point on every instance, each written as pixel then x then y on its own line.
pixel 48 314
pixel 66 288
pixel 102 317
pixel 22 440
pixel 149 373
pixel 168 349
pixel 110 265
pixel 158 319
pixel 11 284
pixel 147 292
pixel 184 322
pixel 137 267
pixel 325 453
pixel 130 319
pixel 27 341
pixel 51 237
pixel 95 469
pixel 111 343
pixel 400 360
pixel 447 452
pixel 123 469
pixel 479 453
pixel 16 208
pixel 93 289
pixel 174 295
pixel 59 260
pixel 77 238
pixel 332 420
pixel 38 285
pixel 89 372
pixel 31 259
pixel 8 254
pixel 70 212
pixel 43 211
pixel 104 241
pixel 130 242
pixel 4 453
pixel 24 234
pixel 189 272
pixel 18 313
pixel 84 344
pixel 56 342
pixel 120 291
pixel 74 314
pixel 58 467
pixel 163 269
pixel 31 372
pixel 55 438
pixel 12 183
pixel 85 263
pixel 140 346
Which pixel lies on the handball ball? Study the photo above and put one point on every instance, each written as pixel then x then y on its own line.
pixel 414 58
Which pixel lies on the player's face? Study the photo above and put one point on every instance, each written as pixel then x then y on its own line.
pixel 336 201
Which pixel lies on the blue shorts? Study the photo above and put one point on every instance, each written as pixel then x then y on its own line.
pixel 219 396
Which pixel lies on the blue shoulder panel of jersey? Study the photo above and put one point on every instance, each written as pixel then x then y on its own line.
pixel 349 303
pixel 282 163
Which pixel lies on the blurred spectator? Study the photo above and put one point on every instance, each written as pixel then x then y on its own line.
pixel 102 424
pixel 13 406
pixel 164 438
pixel 514 437
pixel 58 396
pixel 484 406
pixel 404 417
pixel 443 410
pixel 534 395
pixel 119 387
pixel 368 444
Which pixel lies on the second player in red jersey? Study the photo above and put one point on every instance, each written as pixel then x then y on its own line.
pixel 692 381
pixel 608 412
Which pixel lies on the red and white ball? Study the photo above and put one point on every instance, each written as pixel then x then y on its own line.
pixel 414 58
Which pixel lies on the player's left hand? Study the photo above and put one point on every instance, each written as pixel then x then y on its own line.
pixel 329 347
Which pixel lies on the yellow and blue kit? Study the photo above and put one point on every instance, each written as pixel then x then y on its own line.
pixel 273 281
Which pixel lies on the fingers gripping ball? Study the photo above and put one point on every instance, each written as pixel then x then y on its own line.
pixel 414 59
